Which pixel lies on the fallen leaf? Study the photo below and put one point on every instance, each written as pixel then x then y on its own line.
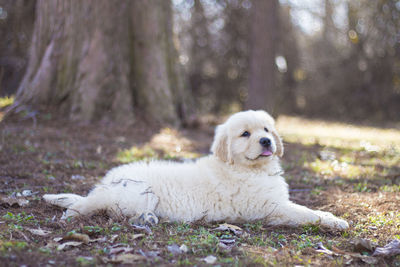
pixel 22 234
pixel 369 259
pixel 144 228
pixel 350 256
pixel 210 259
pixel 174 249
pixel 224 247
pixel 78 177
pixel 13 202
pixel 149 254
pixel 184 248
pixel 51 245
pixel 100 239
pixel 229 227
pixel 136 236
pixel 112 239
pixel 323 249
pixel 57 239
pixel 118 250
pixel 77 237
pixel 39 232
pixel 126 258
pixel 363 245
pixel 391 249
pixel 227 241
pixel 28 193
pixel 69 244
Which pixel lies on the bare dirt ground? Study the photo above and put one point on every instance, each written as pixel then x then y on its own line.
pixel 355 175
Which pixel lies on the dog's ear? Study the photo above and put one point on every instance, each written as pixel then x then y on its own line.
pixel 278 142
pixel 220 146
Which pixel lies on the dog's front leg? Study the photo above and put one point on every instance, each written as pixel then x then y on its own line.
pixel 292 214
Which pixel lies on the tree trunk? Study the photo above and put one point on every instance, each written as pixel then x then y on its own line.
pixel 101 59
pixel 263 39
pixel 16 27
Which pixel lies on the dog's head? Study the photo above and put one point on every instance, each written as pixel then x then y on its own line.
pixel 247 138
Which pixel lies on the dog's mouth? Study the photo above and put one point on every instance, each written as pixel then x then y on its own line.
pixel 265 154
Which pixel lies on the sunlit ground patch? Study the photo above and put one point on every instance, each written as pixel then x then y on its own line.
pixel 366 158
pixel 6 101
pixel 168 144
pixel 338 135
pixel 335 168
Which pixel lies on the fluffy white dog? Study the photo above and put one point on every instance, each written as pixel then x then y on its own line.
pixel 240 181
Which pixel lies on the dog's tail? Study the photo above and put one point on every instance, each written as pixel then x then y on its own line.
pixel 62 200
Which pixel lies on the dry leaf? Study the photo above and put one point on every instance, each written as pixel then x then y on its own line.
pixel 174 249
pixel 227 241
pixel 126 258
pixel 119 250
pixel 136 236
pixel 39 232
pixel 210 259
pixel 363 245
pixel 29 193
pixel 144 228
pixel 77 237
pixel 13 202
pixel 229 227
pixel 369 259
pixel 149 254
pixel 100 239
pixel 323 249
pixel 51 245
pixel 112 239
pixel 391 249
pixel 69 244
pixel 57 239
pixel 184 248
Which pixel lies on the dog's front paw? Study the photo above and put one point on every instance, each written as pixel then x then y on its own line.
pixel 148 218
pixel 331 221
pixel 335 223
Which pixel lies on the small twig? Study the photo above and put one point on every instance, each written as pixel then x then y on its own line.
pixel 23 235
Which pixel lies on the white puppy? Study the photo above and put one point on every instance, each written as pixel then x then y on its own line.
pixel 240 181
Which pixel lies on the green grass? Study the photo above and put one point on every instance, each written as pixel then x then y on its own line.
pixel 136 154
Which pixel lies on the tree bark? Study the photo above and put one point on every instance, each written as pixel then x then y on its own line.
pixel 16 27
pixel 263 39
pixel 101 59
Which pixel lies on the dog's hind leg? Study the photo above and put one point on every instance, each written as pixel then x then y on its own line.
pixel 76 205
pixel 62 200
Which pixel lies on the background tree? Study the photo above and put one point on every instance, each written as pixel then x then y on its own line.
pixel 263 40
pixel 16 26
pixel 354 75
pixel 103 59
pixel 329 59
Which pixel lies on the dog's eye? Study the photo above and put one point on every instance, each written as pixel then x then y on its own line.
pixel 266 129
pixel 245 134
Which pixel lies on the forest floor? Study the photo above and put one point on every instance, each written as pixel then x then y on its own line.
pixel 353 172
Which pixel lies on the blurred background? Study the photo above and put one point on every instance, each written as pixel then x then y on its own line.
pixel 173 61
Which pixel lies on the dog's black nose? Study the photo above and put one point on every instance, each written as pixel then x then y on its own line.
pixel 265 142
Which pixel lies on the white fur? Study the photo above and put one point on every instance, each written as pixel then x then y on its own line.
pixel 233 184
